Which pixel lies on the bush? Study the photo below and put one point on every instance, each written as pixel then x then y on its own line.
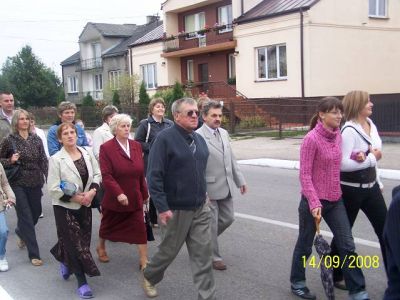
pixel 115 99
pixel 252 122
pixel 88 100
pixel 144 98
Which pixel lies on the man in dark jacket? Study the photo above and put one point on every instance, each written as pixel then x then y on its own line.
pixel 391 239
pixel 6 113
pixel 177 185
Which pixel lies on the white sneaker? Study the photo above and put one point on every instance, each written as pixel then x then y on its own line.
pixel 3 265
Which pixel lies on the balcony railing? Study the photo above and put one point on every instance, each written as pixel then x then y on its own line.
pixel 90 64
pixel 201 38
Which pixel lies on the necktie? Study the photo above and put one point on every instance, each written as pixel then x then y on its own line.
pixel 192 145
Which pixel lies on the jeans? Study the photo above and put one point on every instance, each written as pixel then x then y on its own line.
pixel 3 234
pixel 29 208
pixel 334 214
pixel 371 202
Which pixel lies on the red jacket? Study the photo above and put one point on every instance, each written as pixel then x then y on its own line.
pixel 122 175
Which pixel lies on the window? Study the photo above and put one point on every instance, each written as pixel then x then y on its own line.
pixel 149 75
pixel 225 17
pixel 98 82
pixel 72 84
pixel 114 77
pixel 232 66
pixel 190 70
pixel 271 62
pixel 377 8
pixel 194 23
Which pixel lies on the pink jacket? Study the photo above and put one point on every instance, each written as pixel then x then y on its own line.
pixel 320 157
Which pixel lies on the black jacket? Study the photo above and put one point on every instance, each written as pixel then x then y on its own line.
pixel 176 176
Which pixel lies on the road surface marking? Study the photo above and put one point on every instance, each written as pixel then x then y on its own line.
pixel 4 295
pixel 294 226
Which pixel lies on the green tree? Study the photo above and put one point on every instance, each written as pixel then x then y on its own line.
pixel 144 98
pixel 88 100
pixel 31 82
pixel 128 90
pixel 115 99
pixel 170 95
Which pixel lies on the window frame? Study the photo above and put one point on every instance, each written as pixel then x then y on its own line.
pixel 71 84
pixel 144 70
pixel 98 82
pixel 228 27
pixel 114 79
pixel 197 25
pixel 190 73
pixel 267 60
pixel 378 4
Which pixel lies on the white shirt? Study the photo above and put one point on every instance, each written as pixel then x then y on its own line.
pixel 127 149
pixel 42 136
pixel 7 116
pixel 100 136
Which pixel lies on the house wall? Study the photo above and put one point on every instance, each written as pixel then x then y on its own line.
pixel 249 36
pixel 167 73
pixel 70 70
pixel 347 50
pixel 217 66
pixel 182 5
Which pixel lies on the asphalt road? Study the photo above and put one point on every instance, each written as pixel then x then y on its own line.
pixel 257 251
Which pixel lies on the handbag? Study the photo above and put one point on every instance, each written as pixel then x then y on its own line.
pixel 13 170
pixel 98 198
pixel 149 229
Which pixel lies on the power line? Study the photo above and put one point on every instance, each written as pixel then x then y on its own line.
pixel 35 39
pixel 72 20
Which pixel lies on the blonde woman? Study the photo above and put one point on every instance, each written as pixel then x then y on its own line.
pixel 26 149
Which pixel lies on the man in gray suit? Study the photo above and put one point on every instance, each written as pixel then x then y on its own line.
pixel 6 113
pixel 223 176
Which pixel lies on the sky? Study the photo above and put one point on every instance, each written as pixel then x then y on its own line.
pixel 52 27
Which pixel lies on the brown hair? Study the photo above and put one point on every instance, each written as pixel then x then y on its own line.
pixel 65 105
pixel 154 102
pixel 327 104
pixel 63 126
pixel 353 103
pixel 202 100
pixel 15 118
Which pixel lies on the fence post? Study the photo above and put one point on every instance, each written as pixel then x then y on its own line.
pixel 232 117
pixel 280 120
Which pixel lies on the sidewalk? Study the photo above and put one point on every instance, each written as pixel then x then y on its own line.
pixel 285 153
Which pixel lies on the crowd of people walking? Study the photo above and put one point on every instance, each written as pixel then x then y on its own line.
pixel 188 176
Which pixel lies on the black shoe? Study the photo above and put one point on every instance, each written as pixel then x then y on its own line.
pixel 341 285
pixel 303 293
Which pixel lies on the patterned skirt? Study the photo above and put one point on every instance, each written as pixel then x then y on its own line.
pixel 74 231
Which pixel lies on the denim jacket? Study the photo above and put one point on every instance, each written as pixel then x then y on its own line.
pixel 55 146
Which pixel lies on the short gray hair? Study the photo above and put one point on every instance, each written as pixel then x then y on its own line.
pixel 118 119
pixel 209 105
pixel 65 105
pixel 176 106
pixel 107 111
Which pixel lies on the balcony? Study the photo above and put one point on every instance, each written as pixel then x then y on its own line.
pixel 90 64
pixel 218 38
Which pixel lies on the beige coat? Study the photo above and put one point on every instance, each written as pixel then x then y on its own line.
pixel 223 175
pixel 5 190
pixel 61 167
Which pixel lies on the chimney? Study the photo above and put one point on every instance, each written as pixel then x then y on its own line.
pixel 151 19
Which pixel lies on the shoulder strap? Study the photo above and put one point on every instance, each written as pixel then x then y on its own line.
pixel 148 131
pixel 349 126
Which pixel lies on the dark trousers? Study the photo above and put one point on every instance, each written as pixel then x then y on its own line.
pixel 371 202
pixel 28 207
pixel 334 214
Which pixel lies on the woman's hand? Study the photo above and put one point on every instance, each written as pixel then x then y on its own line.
pixel 376 152
pixel 9 203
pixel 78 198
pixel 14 158
pixel 123 199
pixel 316 212
pixel 88 197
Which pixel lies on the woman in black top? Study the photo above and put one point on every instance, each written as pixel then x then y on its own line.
pixel 26 149
pixel 146 133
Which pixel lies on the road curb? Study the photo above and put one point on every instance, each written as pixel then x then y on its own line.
pixel 295 165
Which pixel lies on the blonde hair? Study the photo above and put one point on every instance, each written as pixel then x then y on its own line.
pixel 118 119
pixel 15 118
pixel 353 103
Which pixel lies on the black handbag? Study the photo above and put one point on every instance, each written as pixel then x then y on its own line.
pixel 13 170
pixel 149 229
pixel 98 198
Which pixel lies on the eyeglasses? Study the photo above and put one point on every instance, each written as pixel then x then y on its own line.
pixel 192 113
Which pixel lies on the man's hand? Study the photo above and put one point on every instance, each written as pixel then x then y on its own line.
pixel 243 189
pixel 165 217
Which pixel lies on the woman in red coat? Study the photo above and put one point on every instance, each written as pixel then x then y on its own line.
pixel 122 169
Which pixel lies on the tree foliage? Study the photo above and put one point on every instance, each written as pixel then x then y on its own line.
pixel 115 99
pixel 31 82
pixel 128 90
pixel 144 98
pixel 88 100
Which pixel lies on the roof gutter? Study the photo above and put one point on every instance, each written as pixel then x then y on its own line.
pixel 281 13
pixel 302 52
